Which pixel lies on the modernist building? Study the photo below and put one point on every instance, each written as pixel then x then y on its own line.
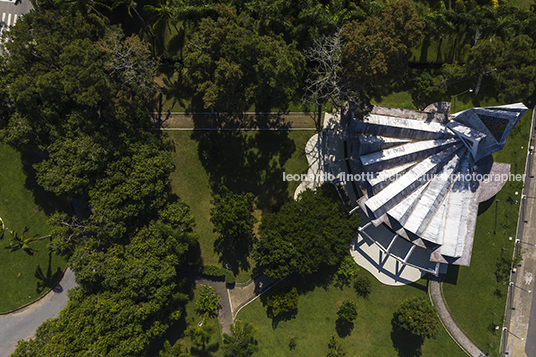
pixel 423 175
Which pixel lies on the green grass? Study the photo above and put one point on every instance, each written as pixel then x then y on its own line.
pixel 24 278
pixel 252 161
pixel 397 100
pixel 475 299
pixel 315 322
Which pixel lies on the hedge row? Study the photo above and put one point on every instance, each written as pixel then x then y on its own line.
pixel 216 271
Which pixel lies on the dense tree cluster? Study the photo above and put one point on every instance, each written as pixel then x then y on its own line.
pixel 231 66
pixel 75 104
pixel 375 53
pixel 317 227
pixel 475 41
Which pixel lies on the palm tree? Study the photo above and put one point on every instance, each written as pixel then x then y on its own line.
pixel 241 342
pixel 162 14
pixel 23 242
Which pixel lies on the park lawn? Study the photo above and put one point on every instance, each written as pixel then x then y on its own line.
pixel 476 300
pixel 316 318
pixel 397 100
pixel 250 161
pixel 24 278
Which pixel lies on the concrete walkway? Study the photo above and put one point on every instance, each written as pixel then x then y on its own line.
pixel 243 294
pixel 435 291
pixel 22 324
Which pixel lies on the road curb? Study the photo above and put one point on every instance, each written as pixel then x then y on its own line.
pixel 38 299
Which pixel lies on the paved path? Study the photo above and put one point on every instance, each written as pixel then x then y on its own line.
pixel 245 121
pixel 23 323
pixel 436 295
pixel 243 294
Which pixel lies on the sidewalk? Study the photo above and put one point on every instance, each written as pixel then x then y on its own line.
pixel 435 290
pixel 519 331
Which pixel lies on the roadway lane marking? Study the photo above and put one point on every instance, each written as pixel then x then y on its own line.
pixel 12 1
pixel 8 19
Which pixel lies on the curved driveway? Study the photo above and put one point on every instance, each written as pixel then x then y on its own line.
pixel 23 323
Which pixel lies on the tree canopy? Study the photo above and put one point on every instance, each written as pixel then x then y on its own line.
pixel 232 217
pixel 375 53
pixel 241 342
pixel 418 317
pixel 231 67
pixel 76 105
pixel 275 256
pixel 317 225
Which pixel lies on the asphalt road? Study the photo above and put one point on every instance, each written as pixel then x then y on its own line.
pixel 23 323
pixel 11 13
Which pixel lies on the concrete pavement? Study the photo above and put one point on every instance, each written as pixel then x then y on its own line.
pixel 22 324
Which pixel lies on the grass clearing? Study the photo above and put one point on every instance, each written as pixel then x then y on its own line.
pixel 315 322
pixel 397 100
pixel 24 278
pixel 250 161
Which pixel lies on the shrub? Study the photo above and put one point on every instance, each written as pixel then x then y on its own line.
pixel 362 286
pixel 283 301
pixel 292 343
pixel 208 301
pixel 347 270
pixel 348 310
pixel 218 272
pixel 418 317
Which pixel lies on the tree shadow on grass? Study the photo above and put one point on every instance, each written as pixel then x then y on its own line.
pixel 47 279
pixel 282 317
pixel 343 327
pixel 235 254
pixel 243 161
pixel 406 343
